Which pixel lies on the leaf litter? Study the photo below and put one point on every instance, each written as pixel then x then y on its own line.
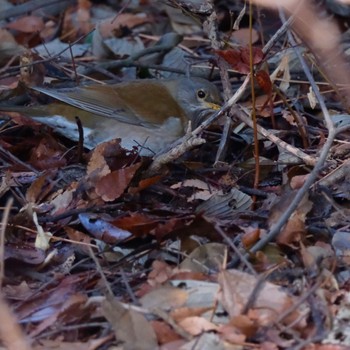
pixel 97 253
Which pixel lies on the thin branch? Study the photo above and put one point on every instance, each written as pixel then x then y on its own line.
pixel 275 229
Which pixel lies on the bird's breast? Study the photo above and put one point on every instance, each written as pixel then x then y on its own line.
pixel 151 139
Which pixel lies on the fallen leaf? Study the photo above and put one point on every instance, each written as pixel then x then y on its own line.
pixel 270 300
pixel 130 327
pixel 197 325
pixel 112 186
pixel 27 24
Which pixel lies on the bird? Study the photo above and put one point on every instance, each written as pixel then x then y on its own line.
pixel 149 113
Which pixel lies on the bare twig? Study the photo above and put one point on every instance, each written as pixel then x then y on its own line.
pixel 100 271
pixel 243 115
pixel 4 222
pixel 233 247
pixel 276 228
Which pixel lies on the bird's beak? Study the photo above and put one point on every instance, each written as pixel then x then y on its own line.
pixel 209 108
pixel 213 106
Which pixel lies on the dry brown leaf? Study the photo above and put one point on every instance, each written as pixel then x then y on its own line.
pixel 165 298
pixel 27 24
pixel 231 334
pixel 93 344
pixel 271 300
pixel 129 20
pixel 76 21
pixel 242 36
pixel 209 341
pixel 161 272
pixel 206 257
pixel 72 304
pixel 297 181
pixel 130 327
pixel 83 16
pixel 185 312
pixel 197 325
pixel 112 186
pixel 80 237
pixel 244 324
pixel 40 187
pixel 137 223
pixel 8 44
pixel 97 166
pixel 294 229
pixel 48 154
pixel 165 334
pixel 239 59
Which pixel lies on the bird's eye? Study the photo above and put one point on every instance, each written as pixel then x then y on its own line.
pixel 201 94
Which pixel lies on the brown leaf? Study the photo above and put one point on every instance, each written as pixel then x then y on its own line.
pixel 161 272
pixel 32 74
pixel 58 344
pixel 164 298
pixel 294 230
pixel 8 44
pixel 71 309
pixel 137 223
pixel 197 325
pixel 264 81
pixel 76 21
pixel 245 325
pixel 233 58
pixel 27 24
pixel 112 24
pixel 164 332
pixel 47 155
pixel 112 186
pixel 240 59
pixel 270 301
pixel 40 187
pixel 145 183
pixel 206 257
pixel 258 54
pixel 49 302
pixel 130 327
pixel 250 237
pixel 80 237
pixel 231 334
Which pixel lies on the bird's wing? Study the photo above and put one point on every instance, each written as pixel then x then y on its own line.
pixel 137 104
pixel 95 102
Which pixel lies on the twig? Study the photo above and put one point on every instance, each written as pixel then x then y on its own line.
pixel 128 287
pixel 277 35
pixel 275 229
pixel 4 222
pixel 191 138
pixel 131 61
pixel 211 28
pixel 336 175
pixel 243 115
pixel 15 160
pixel 176 152
pixel 80 147
pixel 298 303
pixel 100 271
pixel 233 247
